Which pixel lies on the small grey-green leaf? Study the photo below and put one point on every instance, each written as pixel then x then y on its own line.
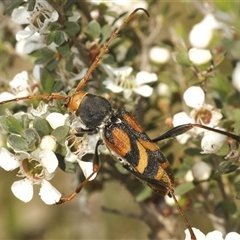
pixel 72 28
pixel 33 138
pixel 94 29
pixel 13 5
pixel 11 124
pixel 18 143
pixel 184 188
pixel 144 194
pixel 31 5
pixel 59 37
pixel 60 133
pixel 64 50
pixel 47 81
pixel 41 126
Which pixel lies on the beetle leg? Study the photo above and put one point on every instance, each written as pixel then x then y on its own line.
pixel 95 170
pixel 178 130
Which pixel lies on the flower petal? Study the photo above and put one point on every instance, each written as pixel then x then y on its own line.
pixel 87 168
pixel 113 87
pixel 144 90
pixel 6 96
pixel 49 194
pixel 232 236
pixel 22 34
pixel 23 190
pixel 7 160
pixel 145 77
pixel 199 235
pixel 56 119
pixel 181 118
pixel 194 97
pixel 48 160
pixel 214 235
pixel 20 15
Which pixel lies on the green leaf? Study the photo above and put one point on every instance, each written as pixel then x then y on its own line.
pixel 144 194
pixel 11 124
pixel 33 138
pixel 226 206
pixel 183 59
pixel 14 4
pixel 224 150
pixel 52 64
pixel 31 5
pixel 218 58
pixel 238 196
pixel 60 133
pixel 50 38
pixel 237 186
pixel 184 188
pixel 46 80
pixel 64 50
pixel 41 60
pixel 18 143
pixel 41 126
pixel 54 26
pixel 72 28
pixel 59 38
pixel 69 64
pixel 58 86
pixel 106 32
pixel 47 52
pixel 226 166
pixel 94 29
pixel 237 124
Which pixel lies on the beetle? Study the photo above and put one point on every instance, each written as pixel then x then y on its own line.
pixel 122 135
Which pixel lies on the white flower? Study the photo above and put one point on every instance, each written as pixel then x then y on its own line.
pixel 120 7
pixel 203 114
pixel 212 141
pixel 199 56
pixel 41 110
pixel 57 119
pixel 34 168
pixel 20 84
pixel 201 171
pixel 19 87
pixel 77 147
pixel 202 33
pixel 159 55
pixel 38 19
pixel 236 77
pixel 214 235
pixel 121 80
pixel 27 45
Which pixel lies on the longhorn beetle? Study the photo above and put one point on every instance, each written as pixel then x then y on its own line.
pixel 122 134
